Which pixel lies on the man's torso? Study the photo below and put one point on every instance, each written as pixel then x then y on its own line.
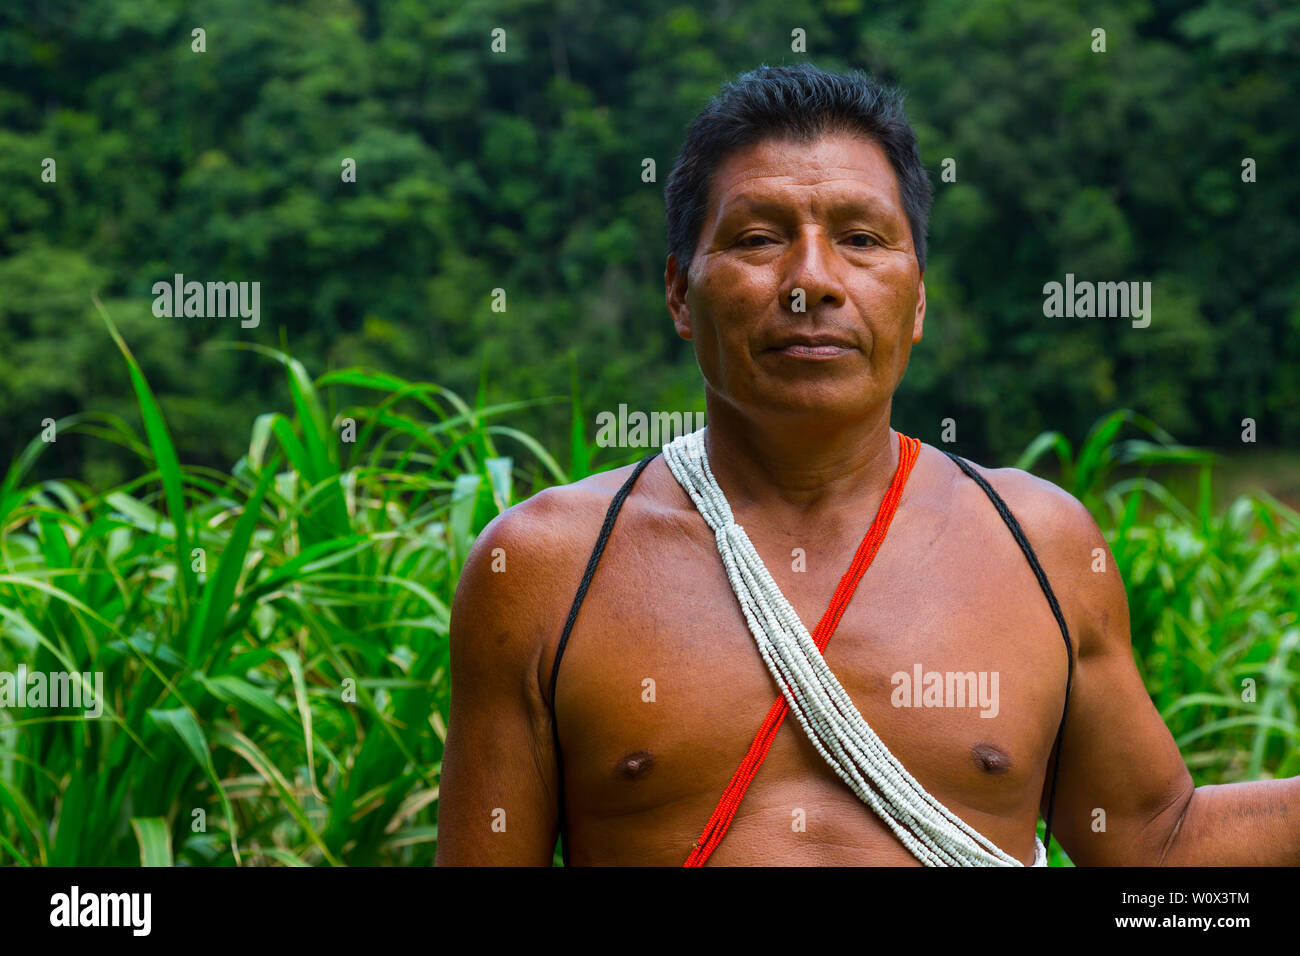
pixel 662 688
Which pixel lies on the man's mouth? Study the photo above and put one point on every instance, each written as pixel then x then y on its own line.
pixel 813 347
pixel 816 353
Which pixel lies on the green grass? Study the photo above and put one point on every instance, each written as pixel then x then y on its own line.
pixel 274 640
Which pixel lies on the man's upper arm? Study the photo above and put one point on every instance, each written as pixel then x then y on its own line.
pixel 497 793
pixel 1123 783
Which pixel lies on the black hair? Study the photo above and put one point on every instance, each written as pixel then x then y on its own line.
pixel 803 103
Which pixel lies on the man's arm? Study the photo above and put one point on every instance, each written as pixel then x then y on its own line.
pixel 1118 755
pixel 497 794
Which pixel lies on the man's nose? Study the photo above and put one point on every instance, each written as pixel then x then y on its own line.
pixel 814 269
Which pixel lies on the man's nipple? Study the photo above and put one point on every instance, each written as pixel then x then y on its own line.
pixel 990 758
pixel 635 766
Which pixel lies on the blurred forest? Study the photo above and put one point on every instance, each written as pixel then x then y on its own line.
pixel 522 170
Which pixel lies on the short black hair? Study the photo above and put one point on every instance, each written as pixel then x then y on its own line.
pixel 800 102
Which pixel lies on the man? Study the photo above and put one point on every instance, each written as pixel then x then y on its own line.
pixel 797 216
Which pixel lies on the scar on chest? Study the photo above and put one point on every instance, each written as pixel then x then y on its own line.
pixel 635 766
pixel 990 758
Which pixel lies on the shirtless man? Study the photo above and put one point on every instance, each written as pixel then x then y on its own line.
pixel 799 277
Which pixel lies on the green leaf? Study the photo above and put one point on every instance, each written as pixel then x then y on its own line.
pixel 294 663
pixel 461 522
pixel 181 723
pixel 155 840
pixel 233 690
pixel 219 592
pixel 531 443
pixel 164 453
pixel 1040 445
pixel 579 450
pixel 227 736
pixel 500 478
pixel 1096 451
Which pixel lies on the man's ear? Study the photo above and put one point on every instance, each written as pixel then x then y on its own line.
pixel 919 322
pixel 675 285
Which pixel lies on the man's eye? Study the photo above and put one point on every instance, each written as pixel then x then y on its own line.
pixel 871 240
pixel 755 236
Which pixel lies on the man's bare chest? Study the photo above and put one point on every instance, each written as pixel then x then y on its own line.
pixel 948 649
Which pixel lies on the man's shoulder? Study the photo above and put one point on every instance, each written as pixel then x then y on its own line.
pixel 1043 509
pixel 556 523
pixel 1067 541
pixel 524 568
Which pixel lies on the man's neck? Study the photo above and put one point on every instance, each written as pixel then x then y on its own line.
pixel 800 470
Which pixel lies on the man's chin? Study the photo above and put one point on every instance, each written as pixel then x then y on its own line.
pixel 814 409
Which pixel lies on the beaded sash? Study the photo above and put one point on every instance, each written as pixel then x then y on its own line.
pixel 932 832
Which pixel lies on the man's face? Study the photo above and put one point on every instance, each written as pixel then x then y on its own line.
pixel 826 218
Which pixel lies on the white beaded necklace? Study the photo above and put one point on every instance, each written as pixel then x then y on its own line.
pixel 932 832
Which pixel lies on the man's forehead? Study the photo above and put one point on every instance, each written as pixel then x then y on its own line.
pixel 839 170
pixel 831 195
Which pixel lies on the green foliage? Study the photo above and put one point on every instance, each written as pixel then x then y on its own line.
pixel 522 171
pixel 1214 605
pixel 1214 599
pixel 273 641
pixel 1084 475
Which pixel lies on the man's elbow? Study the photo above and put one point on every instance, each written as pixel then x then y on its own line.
pixel 1173 822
